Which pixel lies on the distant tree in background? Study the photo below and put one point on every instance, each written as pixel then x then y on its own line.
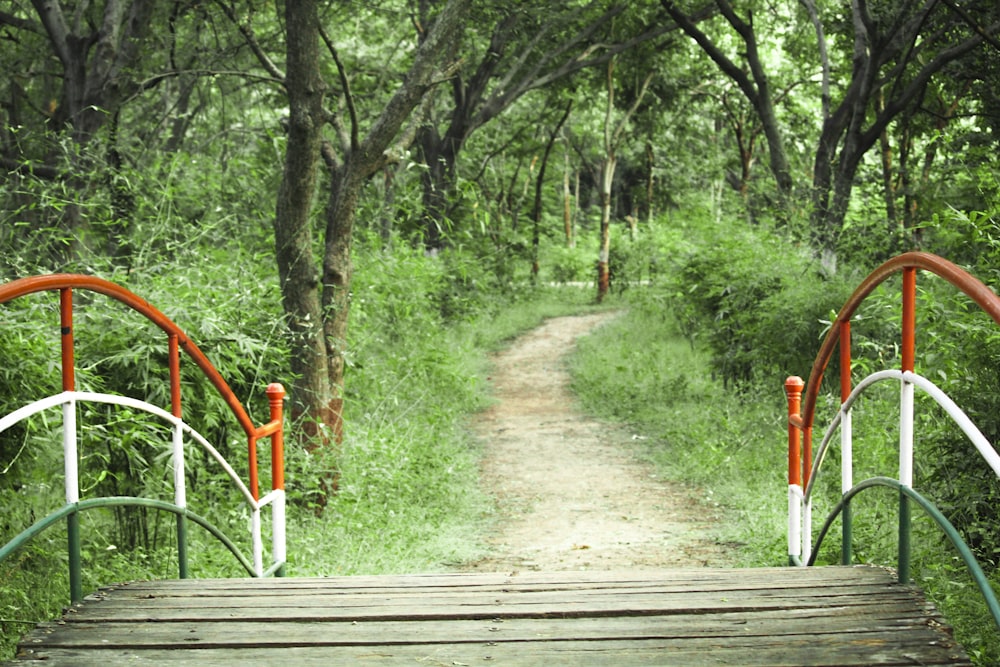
pixel 897 50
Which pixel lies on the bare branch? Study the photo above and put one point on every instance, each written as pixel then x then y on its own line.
pixel 728 67
pixel 346 84
pixel 824 55
pixel 421 76
pixel 917 84
pixel 632 109
pixel 972 23
pixel 330 157
pixel 52 18
pixel 20 24
pixel 251 40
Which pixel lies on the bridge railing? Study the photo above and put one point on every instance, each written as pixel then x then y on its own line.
pixel 804 465
pixel 69 398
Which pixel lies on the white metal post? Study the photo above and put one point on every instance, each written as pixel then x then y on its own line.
pixel 258 547
pixel 794 522
pixel 278 553
pixel 180 489
pixel 807 512
pixel 71 464
pixel 847 452
pixel 906 434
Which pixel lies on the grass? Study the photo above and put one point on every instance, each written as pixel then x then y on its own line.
pixel 638 369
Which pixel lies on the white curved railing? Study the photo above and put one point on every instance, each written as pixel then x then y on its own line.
pixel 68 401
pixel 802 530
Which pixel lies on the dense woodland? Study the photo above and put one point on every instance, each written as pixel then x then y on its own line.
pixel 360 198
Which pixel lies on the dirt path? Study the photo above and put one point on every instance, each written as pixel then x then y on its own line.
pixel 570 493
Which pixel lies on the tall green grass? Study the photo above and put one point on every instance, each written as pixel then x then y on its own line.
pixel 639 370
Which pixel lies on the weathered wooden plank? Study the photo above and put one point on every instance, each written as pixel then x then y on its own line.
pixel 901 617
pixel 885 648
pixel 318 596
pixel 432 608
pixel 715 579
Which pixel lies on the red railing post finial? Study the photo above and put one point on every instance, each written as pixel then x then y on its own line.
pixel 276 397
pixel 793 391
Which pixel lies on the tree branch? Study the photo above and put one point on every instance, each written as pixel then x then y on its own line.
pixel 346 84
pixel 251 40
pixel 20 24
pixel 824 55
pixel 54 22
pixel 912 90
pixel 421 76
pixel 632 109
pixel 727 66
pixel 972 23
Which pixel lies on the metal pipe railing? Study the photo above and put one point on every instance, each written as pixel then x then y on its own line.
pixel 176 340
pixel 801 408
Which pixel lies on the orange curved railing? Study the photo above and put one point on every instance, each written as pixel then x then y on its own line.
pixel 802 408
pixel 908 263
pixel 177 340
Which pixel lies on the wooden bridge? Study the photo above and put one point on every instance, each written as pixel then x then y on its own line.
pixel 769 616
pixel 787 616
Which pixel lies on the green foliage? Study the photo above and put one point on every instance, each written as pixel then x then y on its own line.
pixel 756 301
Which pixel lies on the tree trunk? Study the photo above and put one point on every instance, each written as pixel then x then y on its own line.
pixel 612 139
pixel 604 254
pixel 362 160
pixel 650 163
pixel 536 214
pixel 888 189
pixel 567 203
pixel 300 287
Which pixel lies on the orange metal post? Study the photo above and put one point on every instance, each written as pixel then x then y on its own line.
pixel 174 361
pixel 793 391
pixel 66 323
pixel 807 455
pixel 252 464
pixel 276 396
pixel 909 316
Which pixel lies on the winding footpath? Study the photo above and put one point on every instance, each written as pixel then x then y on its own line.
pixel 570 492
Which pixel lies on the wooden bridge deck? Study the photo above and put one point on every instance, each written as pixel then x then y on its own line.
pixel 770 616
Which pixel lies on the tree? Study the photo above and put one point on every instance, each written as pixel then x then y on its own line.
pixel 316 298
pixel 536 212
pixel 897 48
pixel 300 288
pixel 613 135
pixel 98 49
pixel 531 46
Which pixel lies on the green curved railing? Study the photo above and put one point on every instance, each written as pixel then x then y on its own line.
pixel 975 569
pixel 63 512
